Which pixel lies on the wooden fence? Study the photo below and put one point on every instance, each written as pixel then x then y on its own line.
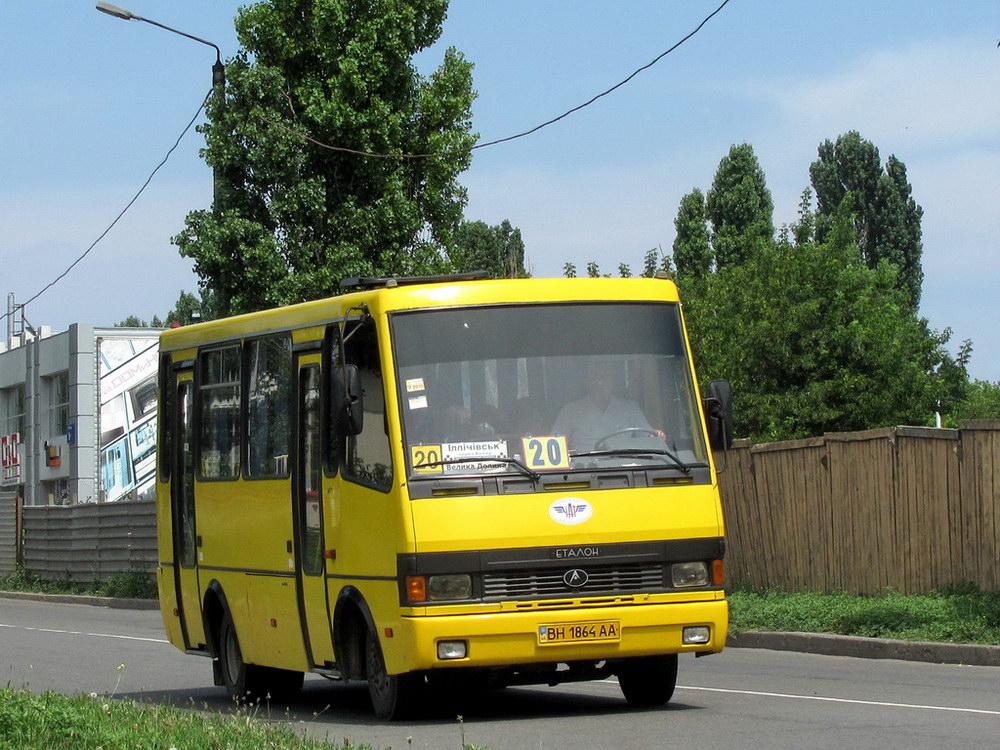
pixel 910 508
pixel 87 543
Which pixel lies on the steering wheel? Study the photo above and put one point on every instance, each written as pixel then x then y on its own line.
pixel 599 445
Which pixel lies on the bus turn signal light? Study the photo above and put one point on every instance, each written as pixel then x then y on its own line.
pixel 718 573
pixel 416 588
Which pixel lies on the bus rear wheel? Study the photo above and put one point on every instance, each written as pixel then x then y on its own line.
pixel 648 681
pixel 251 683
pixel 393 696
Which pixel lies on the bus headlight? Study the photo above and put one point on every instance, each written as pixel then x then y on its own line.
pixel 447 587
pixel 689 575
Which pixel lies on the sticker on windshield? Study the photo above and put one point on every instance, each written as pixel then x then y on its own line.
pixel 414 384
pixel 418 402
pixel 426 459
pixel 545 452
pixel 458 458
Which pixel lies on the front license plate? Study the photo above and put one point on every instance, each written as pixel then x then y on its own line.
pixel 579 632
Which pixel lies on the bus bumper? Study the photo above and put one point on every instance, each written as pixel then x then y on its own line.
pixel 502 639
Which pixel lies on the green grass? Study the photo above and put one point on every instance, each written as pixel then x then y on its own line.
pixel 960 614
pixel 51 720
pixel 120 586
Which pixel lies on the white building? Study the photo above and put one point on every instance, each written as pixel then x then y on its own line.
pixel 78 415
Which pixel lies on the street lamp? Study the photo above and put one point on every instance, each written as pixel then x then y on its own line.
pixel 218 70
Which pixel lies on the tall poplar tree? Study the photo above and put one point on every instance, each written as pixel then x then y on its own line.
pixel 886 217
pixel 691 249
pixel 739 207
pixel 291 218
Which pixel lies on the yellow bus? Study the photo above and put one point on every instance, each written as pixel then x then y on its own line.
pixel 442 481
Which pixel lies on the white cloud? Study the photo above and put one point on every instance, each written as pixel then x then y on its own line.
pixel 920 95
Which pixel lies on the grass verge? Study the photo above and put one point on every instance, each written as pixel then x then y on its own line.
pixel 961 614
pixel 51 720
pixel 121 586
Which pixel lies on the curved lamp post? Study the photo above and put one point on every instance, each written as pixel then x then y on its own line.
pixel 218 69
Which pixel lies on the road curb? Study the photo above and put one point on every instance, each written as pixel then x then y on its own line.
pixel 93 601
pixel 870 648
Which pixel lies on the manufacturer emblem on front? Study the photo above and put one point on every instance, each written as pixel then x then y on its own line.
pixel 570 511
pixel 575 578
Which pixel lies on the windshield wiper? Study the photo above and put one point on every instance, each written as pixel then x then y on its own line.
pixel 636 452
pixel 530 473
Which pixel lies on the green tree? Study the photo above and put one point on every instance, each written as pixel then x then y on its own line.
pixel 813 340
pixel 134 321
pixel 739 207
pixel 498 250
pixel 189 309
pixel 291 218
pixel 692 250
pixel 980 400
pixel 886 220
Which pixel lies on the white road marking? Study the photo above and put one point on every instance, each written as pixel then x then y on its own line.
pixel 827 699
pixel 843 700
pixel 93 635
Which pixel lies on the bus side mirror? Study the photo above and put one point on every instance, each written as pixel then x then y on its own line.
pixel 346 400
pixel 719 415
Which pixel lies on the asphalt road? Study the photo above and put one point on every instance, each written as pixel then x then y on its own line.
pixel 742 698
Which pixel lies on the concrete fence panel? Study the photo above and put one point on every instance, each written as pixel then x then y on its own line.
pixel 8 531
pixel 86 543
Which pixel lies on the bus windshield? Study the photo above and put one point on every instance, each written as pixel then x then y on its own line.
pixel 545 388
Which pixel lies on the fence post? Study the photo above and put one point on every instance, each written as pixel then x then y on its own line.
pixel 18 530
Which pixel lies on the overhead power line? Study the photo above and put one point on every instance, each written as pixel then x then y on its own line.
pixel 508 138
pixel 111 226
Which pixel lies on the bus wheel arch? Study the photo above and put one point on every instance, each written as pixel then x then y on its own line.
pixel 245 683
pixel 352 621
pixel 214 610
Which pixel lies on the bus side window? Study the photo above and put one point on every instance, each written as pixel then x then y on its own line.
pixel 269 387
pixel 219 392
pixel 369 458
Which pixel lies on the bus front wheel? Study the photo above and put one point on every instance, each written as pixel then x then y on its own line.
pixel 648 681
pixel 393 695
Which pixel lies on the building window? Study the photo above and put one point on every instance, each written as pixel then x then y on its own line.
pixel 13 410
pixel 58 404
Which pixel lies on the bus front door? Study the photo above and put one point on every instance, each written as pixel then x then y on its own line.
pixel 182 501
pixel 307 497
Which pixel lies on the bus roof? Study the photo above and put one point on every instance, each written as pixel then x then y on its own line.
pixel 386 296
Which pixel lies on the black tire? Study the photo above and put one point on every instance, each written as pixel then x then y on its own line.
pixel 251 683
pixel 394 696
pixel 648 681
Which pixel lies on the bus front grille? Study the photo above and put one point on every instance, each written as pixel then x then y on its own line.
pixel 522 584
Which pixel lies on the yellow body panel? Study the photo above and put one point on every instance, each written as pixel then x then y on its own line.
pixel 499 521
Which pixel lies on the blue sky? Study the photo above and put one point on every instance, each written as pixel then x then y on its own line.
pixel 90 104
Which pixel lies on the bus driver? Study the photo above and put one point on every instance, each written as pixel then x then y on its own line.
pixel 600 413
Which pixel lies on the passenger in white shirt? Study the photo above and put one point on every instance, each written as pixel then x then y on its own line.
pixel 600 413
